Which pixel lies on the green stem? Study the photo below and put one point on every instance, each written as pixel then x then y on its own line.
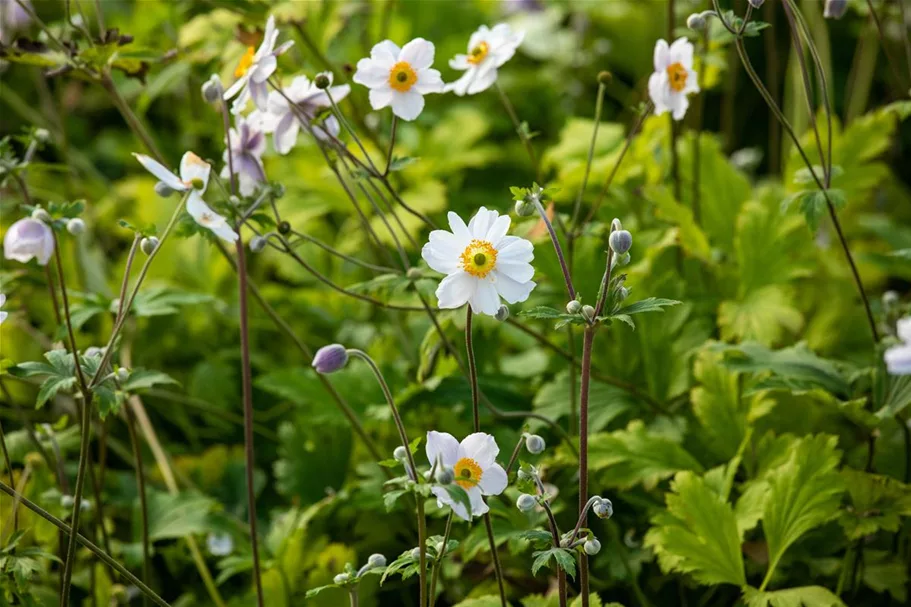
pixel 587 341
pixel 520 131
pixel 472 370
pixel 438 565
pixel 599 103
pixel 143 504
pixel 84 439
pixel 395 123
pixel 9 468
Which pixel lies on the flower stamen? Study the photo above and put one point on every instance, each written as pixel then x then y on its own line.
pixel 467 473
pixel 479 258
pixel 478 53
pixel 676 76
pixel 245 62
pixel 402 76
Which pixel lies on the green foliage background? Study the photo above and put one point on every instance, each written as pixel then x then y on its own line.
pixel 731 432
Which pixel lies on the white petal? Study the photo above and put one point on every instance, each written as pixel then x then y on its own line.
pixel 259 91
pixel 493 480
pixel 429 81
pixel 512 290
pixel 483 79
pixel 480 35
pixel 678 105
pixel 380 98
pixel 661 56
pixel 285 133
pixel 898 360
pixel 443 500
pixel 408 105
pixel 225 232
pixel 419 53
pixel 3 316
pixel 681 51
pixel 481 222
pixel 478 506
pixel 158 170
pixel 2 299
pixel 371 73
pixel 692 82
pixel 386 53
pixel 498 228
pixel 268 37
pixel 514 249
pixel 481 447
pixel 458 227
pixel 264 68
pixel 235 88
pixel 455 290
pixel 442 445
pixel 903 329
pixel 460 86
pixel 459 62
pixel 517 270
pixel 657 84
pixel 485 300
pixel 442 252
pixel 193 167
pixel 197 208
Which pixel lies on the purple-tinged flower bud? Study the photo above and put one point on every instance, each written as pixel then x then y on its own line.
pixel 603 508
pixel 620 241
pixel 400 454
pixel 415 554
pixel 444 475
pixel 592 547
pixel 376 561
pixel 696 22
pixel 526 502
pixel 502 313
pixel 29 238
pixel 534 443
pixel 588 313
pixel 330 358
pixel 212 89
pixel 835 9
pixel 75 226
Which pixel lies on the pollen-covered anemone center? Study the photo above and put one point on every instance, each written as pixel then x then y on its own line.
pixel 676 76
pixel 402 76
pixel 478 53
pixel 245 62
pixel 467 473
pixel 479 258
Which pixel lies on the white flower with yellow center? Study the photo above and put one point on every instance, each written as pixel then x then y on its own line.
pixel 3 314
pixel 474 466
pixel 488 49
pixel 481 262
pixel 673 79
pixel 194 175
pixel 253 71
pixel 400 77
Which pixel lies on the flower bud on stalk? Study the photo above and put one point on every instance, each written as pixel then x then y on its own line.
pixel 331 358
pixel 376 561
pixel 756 3
pixel 524 208
pixel 416 554
pixel 526 502
pixel 835 9
pixel 148 245
pixel 592 547
pixel 163 190
pixel 696 22
pixel 502 313
pixel 603 508
pixel 321 81
pixel 574 307
pixel 444 475
pixel 620 241
pixel 534 443
pixel 42 135
pixel 75 226
pixel 123 374
pixel 29 238
pixel 257 244
pixel 605 77
pixel 212 90
pixel 284 227
pixel 400 454
pixel 340 579
pixel 41 215
pixel 588 313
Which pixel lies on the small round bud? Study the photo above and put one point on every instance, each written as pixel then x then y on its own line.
pixel 440 548
pixel 212 89
pixel 620 241
pixel 574 307
pixel 524 208
pixel 522 475
pixel 502 313
pixel 234 200
pixel 148 245
pixel 331 358
pixel 413 273
pixel 756 3
pixel 85 505
pixel 75 226
pixel 284 227
pixel 322 81
pixel 123 374
pixel 163 189
pixel 604 77
pixel 41 215
pixel 67 501
pixel 278 190
pixel 890 298
pixel 696 22
pixel 257 244
pixel 526 502
pixel 592 547
pixel 834 9
pixel 622 293
pixel 400 454
pixel 376 561
pixel 588 312
pixel 416 554
pixel 444 475
pixel 603 508
pixel 42 135
pixel 534 443
pixel 341 578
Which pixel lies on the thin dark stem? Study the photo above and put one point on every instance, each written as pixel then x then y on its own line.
pixel 339 254
pixel 69 561
pixel 555 535
pixel 50 287
pixel 9 468
pixel 906 40
pixel 495 557
pixel 772 77
pixel 587 342
pixel 472 371
pixel 520 131
pixel 697 145
pixel 599 103
pixel 126 276
pixel 884 41
pixel 132 121
pixel 515 454
pixel 559 250
pixel 143 504
pixel 439 560
pixel 395 123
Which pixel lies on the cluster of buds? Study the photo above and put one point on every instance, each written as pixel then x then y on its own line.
pixel 374 561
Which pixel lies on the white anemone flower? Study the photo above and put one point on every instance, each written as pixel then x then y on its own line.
pixel 283 120
pixel 194 175
pixel 473 462
pixel 481 263
pixel 488 49
pixel 27 239
pixel 3 314
pixel 898 358
pixel 400 77
pixel 254 69
pixel 673 79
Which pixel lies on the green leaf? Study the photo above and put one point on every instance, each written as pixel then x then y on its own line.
pixel 766 315
pixel 538 537
pixel 650 304
pixel 754 27
pixel 161 301
pixel 798 366
pixel 400 162
pixel 697 534
pixel 315 591
pixel 51 386
pixel 561 557
pixel 458 494
pixel 178 515
pixel 546 313
pixel 805 596
pixel 141 379
pixel 483 601
pixel 878 503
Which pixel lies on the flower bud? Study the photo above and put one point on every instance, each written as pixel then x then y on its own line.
pixel 756 3
pixel 29 238
pixel 502 313
pixel 148 245
pixel 163 189
pixel 534 443
pixel 341 578
pixel 278 190
pixel 75 226
pixel 400 454
pixel 444 475
pixel 413 273
pixel 588 313
pixel 67 501
pixel 220 544
pixel 622 293
pixel 440 548
pixel 835 9
pixel 620 241
pixel 41 215
pixel 123 374
pixel 523 475
pixel 615 225
pixel 592 547
pixel 890 298
pixel 257 244
pixel 42 135
pixel 603 508
pixel 376 561
pixel 331 358
pixel 604 77
pixel 212 89
pixel 526 502
pixel 284 227
pixel 574 307
pixel 85 505
pixel 233 200
pixel 524 208
pixel 416 554
pixel 322 81
pixel 696 22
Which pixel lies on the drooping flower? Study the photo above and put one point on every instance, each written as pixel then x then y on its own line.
pixel 474 464
pixel 13 18
pixel 400 77
pixel 247 144
pixel 898 358
pixel 673 78
pixel 283 120
pixel 29 238
pixel 194 175
pixel 3 314
pixel 481 263
pixel 254 69
pixel 488 49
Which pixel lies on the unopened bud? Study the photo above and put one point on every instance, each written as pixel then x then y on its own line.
pixel 696 22
pixel 75 226
pixel 574 307
pixel 163 189
pixel 376 561
pixel 212 89
pixel 592 547
pixel 85 505
pixel 41 215
pixel 67 501
pixel 588 312
pixel 622 293
pixel 534 443
pixel 413 273
pixel 331 358
pixel 148 245
pixel 524 208
pixel 123 374
pixel 341 578
pixel 620 241
pixel 416 554
pixel 502 313
pixel 890 298
pixel 278 190
pixel 257 244
pixel 526 502
pixel 523 475
pixel 400 454
pixel 756 3
pixel 835 9
pixel 284 227
pixel 440 548
pixel 444 475
pixel 322 81
pixel 42 135
pixel 604 77
pixel 603 508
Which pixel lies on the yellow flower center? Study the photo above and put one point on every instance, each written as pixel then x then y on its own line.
pixel 402 76
pixel 478 53
pixel 467 473
pixel 245 62
pixel 479 258
pixel 676 76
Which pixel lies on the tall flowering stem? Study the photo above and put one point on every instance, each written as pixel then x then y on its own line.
pixel 520 130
